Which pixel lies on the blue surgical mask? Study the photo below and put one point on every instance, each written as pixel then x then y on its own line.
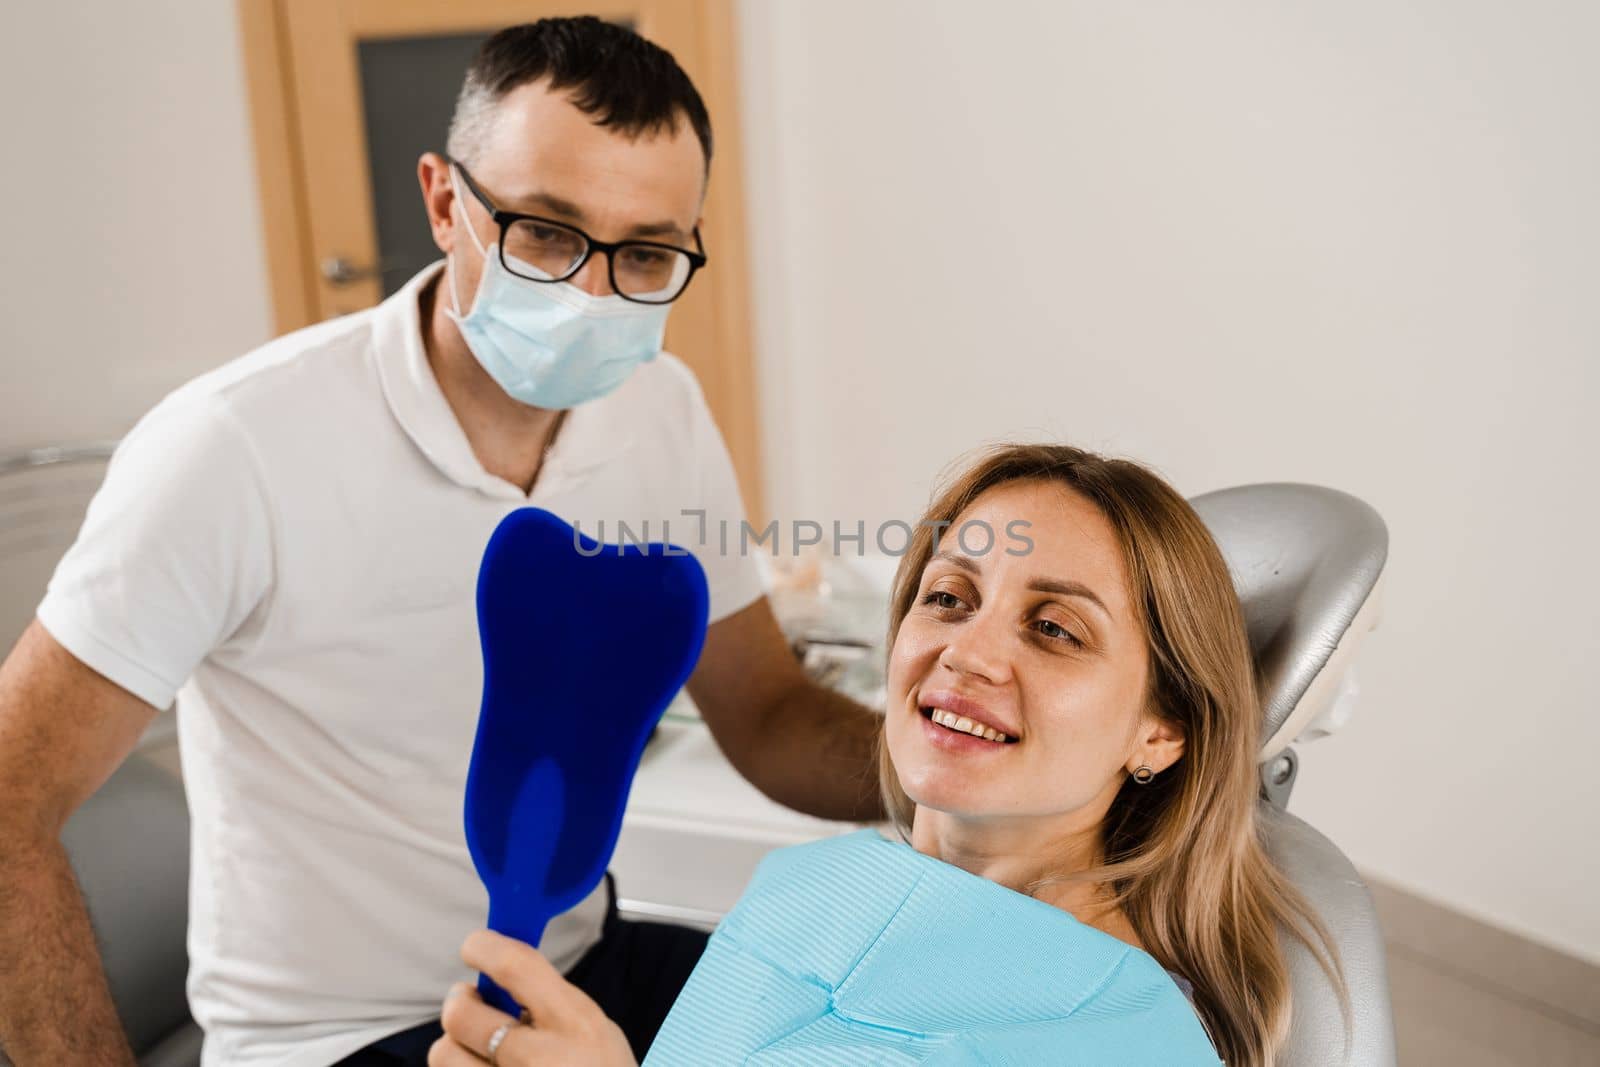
pixel 550 344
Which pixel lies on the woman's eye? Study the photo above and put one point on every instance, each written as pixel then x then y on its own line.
pixel 1056 632
pixel 942 600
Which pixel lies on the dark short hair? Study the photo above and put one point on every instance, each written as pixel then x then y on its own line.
pixel 610 73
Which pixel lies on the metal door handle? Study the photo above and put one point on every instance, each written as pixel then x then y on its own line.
pixel 340 271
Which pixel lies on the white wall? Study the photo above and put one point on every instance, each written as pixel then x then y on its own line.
pixel 133 245
pixel 1346 242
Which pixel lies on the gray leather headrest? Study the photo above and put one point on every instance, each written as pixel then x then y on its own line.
pixel 1305 561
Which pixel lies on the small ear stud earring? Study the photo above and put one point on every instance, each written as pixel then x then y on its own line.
pixel 1143 774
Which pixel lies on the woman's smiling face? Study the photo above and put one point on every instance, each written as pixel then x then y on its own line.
pixel 1042 647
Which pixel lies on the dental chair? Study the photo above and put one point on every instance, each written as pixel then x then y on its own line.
pixel 1306 562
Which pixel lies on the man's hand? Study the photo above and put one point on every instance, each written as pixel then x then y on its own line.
pixel 802 745
pixel 63 730
pixel 567 1029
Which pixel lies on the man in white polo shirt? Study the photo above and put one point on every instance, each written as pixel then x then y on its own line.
pixel 288 545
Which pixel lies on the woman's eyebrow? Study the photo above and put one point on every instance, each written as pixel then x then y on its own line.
pixel 1066 588
pixel 966 563
pixel 1039 585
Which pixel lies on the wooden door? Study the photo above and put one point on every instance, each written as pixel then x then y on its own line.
pixel 315 71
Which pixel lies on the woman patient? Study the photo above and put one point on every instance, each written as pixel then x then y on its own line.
pixel 1072 718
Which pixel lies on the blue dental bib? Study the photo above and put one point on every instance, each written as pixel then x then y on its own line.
pixel 861 950
pixel 584 645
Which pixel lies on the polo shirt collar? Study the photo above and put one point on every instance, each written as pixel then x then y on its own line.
pixel 590 436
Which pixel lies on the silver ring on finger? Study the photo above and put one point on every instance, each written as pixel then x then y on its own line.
pixel 497 1038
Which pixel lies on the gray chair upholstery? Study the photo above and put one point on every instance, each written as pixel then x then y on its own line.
pixel 1306 562
pixel 1317 1036
pixel 43 495
pixel 129 845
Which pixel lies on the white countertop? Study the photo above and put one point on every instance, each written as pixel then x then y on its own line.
pixel 695 829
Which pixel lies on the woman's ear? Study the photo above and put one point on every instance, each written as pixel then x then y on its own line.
pixel 1160 744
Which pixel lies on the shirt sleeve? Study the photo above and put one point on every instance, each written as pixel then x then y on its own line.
pixel 732 573
pixel 173 556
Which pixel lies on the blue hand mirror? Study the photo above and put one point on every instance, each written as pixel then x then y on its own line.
pixel 584 645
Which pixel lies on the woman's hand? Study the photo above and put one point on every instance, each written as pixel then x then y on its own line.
pixel 568 1028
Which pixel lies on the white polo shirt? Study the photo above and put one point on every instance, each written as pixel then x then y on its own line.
pixel 289 545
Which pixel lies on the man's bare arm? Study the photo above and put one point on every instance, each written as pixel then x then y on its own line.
pixel 800 744
pixel 63 731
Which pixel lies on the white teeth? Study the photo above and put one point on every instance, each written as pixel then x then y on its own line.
pixel 966 725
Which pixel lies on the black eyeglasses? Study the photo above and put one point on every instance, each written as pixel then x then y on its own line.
pixel 538 249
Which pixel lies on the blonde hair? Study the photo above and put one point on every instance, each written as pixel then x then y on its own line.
pixel 1183 855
